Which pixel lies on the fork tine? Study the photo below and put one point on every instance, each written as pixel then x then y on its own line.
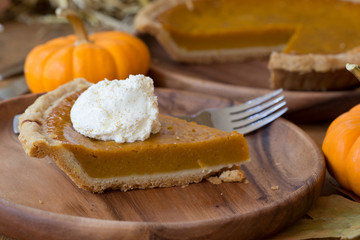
pixel 235 116
pixel 255 125
pixel 254 102
pixel 238 123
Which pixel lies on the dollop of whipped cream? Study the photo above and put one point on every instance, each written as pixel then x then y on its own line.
pixel 119 110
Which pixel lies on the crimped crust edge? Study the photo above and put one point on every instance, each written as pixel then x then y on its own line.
pixel 32 123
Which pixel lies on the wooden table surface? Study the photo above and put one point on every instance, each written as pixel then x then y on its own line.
pixel 17 39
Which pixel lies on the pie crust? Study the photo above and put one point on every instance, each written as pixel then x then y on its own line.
pixel 309 72
pixel 39 141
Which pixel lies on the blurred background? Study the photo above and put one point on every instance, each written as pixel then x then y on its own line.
pixel 110 14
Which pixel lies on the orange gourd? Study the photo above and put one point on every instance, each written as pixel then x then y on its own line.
pixel 111 55
pixel 341 147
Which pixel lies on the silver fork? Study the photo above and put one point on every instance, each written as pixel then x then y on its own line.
pixel 244 118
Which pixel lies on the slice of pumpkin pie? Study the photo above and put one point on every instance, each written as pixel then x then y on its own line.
pixel 171 152
pixel 309 41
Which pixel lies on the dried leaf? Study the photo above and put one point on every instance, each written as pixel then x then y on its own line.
pixel 330 217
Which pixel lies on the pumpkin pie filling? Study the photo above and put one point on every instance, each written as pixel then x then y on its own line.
pixel 231 39
pixel 318 27
pixel 178 146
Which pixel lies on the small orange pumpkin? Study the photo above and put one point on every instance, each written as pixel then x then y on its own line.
pixel 111 55
pixel 341 147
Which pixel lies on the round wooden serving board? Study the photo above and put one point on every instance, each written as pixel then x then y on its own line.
pixel 244 81
pixel 38 201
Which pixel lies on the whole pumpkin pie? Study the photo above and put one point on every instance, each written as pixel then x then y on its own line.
pixel 181 153
pixel 309 41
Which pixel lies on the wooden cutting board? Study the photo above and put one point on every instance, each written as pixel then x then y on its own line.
pixel 244 81
pixel 38 201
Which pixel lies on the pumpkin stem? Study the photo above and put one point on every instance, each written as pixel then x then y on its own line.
pixel 76 22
